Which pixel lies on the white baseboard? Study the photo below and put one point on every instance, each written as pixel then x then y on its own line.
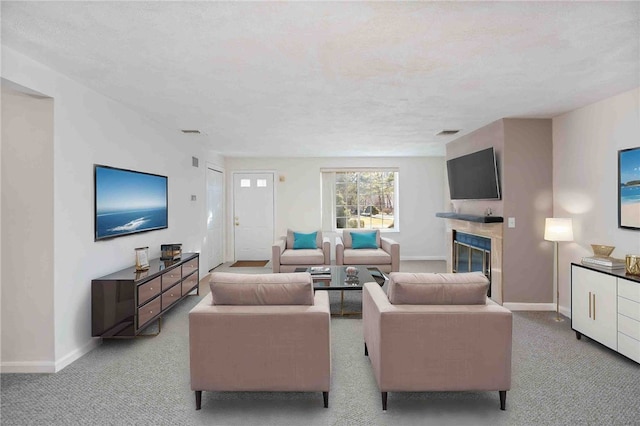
pixel 536 307
pixel 27 367
pixel 529 306
pixel 48 366
pixel 77 354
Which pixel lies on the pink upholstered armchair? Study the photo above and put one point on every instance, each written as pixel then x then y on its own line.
pixel 437 332
pixel 383 253
pixel 285 257
pixel 266 332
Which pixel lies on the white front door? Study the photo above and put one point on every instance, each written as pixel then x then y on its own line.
pixel 215 238
pixel 253 195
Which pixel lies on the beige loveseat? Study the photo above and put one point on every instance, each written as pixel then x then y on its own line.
pixel 437 332
pixel 385 256
pixel 265 332
pixel 284 258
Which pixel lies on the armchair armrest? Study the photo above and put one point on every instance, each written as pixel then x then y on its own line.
pixel 326 250
pixel 276 250
pixel 339 251
pixel 393 248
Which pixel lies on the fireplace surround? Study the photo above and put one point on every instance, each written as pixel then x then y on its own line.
pixel 488 228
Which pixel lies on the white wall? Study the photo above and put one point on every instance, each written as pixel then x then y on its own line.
pixel 421 190
pixel 92 129
pixel 585 178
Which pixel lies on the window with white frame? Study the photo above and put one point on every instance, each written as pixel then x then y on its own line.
pixel 365 198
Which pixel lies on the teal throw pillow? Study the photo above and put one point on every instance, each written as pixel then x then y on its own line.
pixel 304 241
pixel 364 240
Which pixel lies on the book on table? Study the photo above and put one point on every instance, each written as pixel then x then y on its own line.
pixel 604 262
pixel 320 270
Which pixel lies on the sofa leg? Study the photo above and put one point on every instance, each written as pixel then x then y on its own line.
pixel 325 397
pixel 198 400
pixel 503 399
pixel 366 351
pixel 384 401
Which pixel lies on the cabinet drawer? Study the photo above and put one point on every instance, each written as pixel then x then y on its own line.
pixel 189 267
pixel 629 347
pixel 171 277
pixel 170 296
pixel 629 326
pixel 629 289
pixel 148 312
pixel 629 308
pixel 148 290
pixel 189 283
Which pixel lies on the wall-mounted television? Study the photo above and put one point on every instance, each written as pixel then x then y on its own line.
pixel 474 176
pixel 127 202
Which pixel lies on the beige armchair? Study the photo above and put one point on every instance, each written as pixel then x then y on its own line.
pixel 260 332
pixel 437 332
pixel 286 258
pixel 385 255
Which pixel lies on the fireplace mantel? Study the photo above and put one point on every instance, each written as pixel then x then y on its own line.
pixel 471 217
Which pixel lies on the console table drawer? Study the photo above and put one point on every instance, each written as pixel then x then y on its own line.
pixel 189 283
pixel 629 347
pixel 189 267
pixel 629 308
pixel 629 326
pixel 148 311
pixel 148 290
pixel 171 277
pixel 170 296
pixel 629 290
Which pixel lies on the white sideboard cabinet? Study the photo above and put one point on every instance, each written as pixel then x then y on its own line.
pixel 605 306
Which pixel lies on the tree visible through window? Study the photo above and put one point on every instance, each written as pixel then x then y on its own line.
pixel 365 199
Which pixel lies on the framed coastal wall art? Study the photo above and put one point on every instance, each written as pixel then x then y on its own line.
pixel 629 188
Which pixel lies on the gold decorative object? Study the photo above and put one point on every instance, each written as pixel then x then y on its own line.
pixel 632 264
pixel 602 251
pixel 142 258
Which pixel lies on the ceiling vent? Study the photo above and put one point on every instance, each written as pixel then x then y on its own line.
pixel 195 132
pixel 447 132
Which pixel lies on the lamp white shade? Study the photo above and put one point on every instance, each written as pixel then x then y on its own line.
pixel 558 229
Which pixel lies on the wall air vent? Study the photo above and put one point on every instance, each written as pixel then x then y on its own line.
pixel 195 132
pixel 447 132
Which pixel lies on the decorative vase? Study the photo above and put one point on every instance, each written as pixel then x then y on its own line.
pixel 632 264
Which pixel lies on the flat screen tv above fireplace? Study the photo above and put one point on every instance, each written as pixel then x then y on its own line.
pixel 474 176
pixel 128 202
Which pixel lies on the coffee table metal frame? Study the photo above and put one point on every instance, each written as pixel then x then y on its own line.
pixel 338 280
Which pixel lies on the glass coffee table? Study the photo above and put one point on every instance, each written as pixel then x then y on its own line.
pixel 336 278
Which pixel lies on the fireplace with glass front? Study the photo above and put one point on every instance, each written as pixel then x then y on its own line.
pixel 472 253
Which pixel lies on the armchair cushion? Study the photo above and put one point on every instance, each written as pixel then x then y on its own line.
pixel 261 289
pixel 437 289
pixel 305 241
pixel 366 257
pixel 364 240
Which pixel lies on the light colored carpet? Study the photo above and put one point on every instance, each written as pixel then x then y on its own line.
pixel 557 380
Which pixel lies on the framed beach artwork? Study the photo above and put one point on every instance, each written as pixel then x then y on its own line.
pixel 629 188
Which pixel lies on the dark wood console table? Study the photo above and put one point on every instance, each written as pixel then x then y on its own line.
pixel 126 302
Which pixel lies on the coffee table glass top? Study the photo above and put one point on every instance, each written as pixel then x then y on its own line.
pixel 337 278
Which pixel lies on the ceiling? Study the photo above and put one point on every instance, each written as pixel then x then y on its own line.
pixel 302 79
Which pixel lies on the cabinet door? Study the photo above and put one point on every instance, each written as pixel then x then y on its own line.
pixel 593 305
